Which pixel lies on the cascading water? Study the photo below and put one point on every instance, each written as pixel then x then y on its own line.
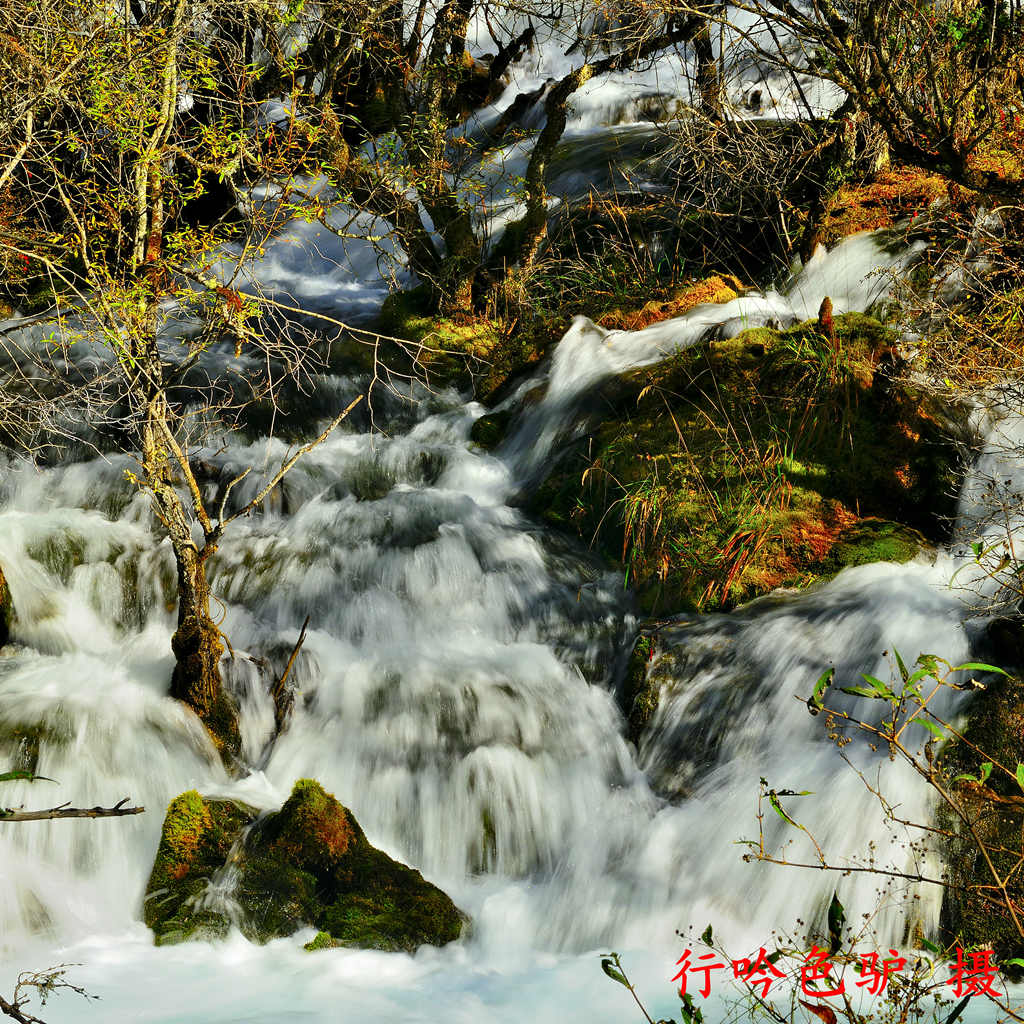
pixel 455 690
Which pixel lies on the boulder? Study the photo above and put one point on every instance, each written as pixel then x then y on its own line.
pixel 307 864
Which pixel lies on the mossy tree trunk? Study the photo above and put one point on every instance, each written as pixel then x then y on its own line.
pixel 5 610
pixel 197 644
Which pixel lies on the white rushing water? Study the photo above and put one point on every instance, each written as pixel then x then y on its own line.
pixel 456 693
pixel 456 686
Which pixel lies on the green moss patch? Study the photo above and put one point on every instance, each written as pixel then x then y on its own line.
pixel 463 351
pixel 307 864
pixel 772 459
pixel 196 839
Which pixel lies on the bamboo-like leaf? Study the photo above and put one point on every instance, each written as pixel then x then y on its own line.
pixel 706 936
pixel 610 969
pixel 979 666
pixel 913 680
pixel 774 801
pixel 1020 775
pixel 836 920
pixel 23 776
pixel 904 671
pixel 931 727
pixel 878 686
pixel 816 701
pixel 859 691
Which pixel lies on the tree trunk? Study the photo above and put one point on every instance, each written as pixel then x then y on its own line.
pixel 196 643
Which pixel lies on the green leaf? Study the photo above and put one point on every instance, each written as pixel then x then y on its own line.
pixel 977 547
pixel 836 920
pixel 616 975
pixel 913 680
pixel 878 686
pixel 931 727
pixel 706 937
pixel 986 771
pixel 774 801
pixel 23 776
pixel 815 704
pixel 979 666
pixel 859 691
pixel 1015 962
pixel 1020 775
pixel 904 671
pixel 930 946
pixel 691 1014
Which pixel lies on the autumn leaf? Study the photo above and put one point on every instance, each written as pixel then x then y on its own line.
pixel 822 1012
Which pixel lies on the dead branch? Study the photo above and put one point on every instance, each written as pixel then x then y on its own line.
pixel 64 811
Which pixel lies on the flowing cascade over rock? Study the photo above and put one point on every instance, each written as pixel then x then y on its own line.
pixel 307 864
pixel 434 617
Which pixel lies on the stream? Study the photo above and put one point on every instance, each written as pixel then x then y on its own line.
pixel 456 691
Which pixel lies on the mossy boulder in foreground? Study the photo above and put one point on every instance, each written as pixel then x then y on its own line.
pixel 307 864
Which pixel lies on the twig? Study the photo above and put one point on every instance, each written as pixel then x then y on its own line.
pixel 64 811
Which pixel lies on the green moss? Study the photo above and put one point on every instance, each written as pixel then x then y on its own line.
pixel 464 351
pixel 59 553
pixel 489 431
pixel 195 841
pixel 639 694
pixel 322 940
pixel 744 465
pixel 312 830
pixel 309 863
pixel 873 540
pixel 370 480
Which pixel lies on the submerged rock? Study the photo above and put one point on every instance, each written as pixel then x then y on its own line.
pixel 307 864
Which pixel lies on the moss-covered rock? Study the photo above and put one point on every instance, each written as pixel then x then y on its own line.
pixel 489 431
pixel 464 351
pixel 638 692
pixel 995 730
pixel 197 836
pixel 307 864
pixel 717 288
pixel 772 459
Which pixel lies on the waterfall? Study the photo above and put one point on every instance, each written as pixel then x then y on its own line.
pixel 456 686
pixel 455 691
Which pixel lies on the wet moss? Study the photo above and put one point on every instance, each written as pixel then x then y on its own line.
pixel 465 351
pixel 717 288
pixel 873 540
pixel 775 458
pixel 489 431
pixel 59 553
pixel 639 693
pixel 196 839
pixel 309 863
pixel 322 940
